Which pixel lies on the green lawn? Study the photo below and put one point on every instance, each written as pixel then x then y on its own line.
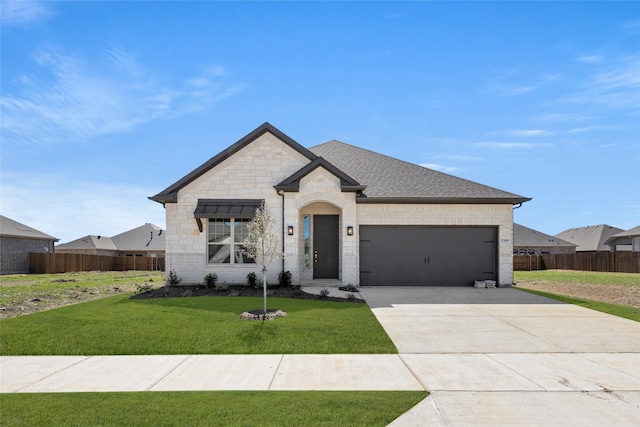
pixel 196 325
pixel 232 408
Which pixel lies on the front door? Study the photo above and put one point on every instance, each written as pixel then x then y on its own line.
pixel 325 246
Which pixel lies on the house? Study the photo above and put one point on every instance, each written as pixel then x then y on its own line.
pixel 147 240
pixel 591 238
pixel 345 215
pixel 624 240
pixel 527 241
pixel 17 241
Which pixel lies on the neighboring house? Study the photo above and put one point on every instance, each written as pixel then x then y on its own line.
pixel 146 240
pixel 344 214
pixel 591 238
pixel 16 241
pixel 527 241
pixel 625 239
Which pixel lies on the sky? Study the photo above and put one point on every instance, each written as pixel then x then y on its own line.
pixel 105 103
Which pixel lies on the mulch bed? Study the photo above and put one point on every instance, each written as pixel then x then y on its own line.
pixel 237 291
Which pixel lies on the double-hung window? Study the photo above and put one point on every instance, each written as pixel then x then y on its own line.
pixel 225 241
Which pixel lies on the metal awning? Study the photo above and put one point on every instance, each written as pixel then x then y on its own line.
pixel 225 208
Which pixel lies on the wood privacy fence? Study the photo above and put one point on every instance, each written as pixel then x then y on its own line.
pixel 618 262
pixel 48 263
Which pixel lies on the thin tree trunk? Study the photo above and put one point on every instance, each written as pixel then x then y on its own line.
pixel 264 292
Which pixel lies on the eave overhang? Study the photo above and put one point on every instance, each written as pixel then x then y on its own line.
pixel 442 200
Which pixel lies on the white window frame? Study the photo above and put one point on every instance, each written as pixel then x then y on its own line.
pixel 233 248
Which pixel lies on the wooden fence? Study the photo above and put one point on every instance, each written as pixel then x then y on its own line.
pixel 48 263
pixel 618 262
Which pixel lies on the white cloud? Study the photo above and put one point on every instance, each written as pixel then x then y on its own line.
pixel 82 98
pixel 611 85
pixel 441 168
pixel 83 208
pixel 21 12
pixel 593 128
pixel 525 133
pixel 590 59
pixel 508 145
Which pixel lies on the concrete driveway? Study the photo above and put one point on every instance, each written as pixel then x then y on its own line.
pixel 505 357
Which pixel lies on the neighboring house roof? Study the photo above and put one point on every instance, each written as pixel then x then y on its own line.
pixel 391 180
pixel 377 178
pixel 11 228
pixel 148 237
pixel 624 237
pixel 530 238
pixel 590 238
pixel 90 242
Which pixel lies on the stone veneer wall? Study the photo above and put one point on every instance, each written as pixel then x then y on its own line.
pixel 450 215
pixel 250 173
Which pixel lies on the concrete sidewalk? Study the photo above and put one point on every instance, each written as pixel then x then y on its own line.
pixel 510 364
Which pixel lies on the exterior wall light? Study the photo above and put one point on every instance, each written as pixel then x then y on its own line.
pixel 290 230
pixel 349 231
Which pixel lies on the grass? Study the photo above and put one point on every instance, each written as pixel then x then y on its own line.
pixel 615 309
pixel 275 408
pixel 571 276
pixel 196 325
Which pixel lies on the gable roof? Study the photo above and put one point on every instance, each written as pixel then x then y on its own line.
pixel 170 194
pixel 90 242
pixel 390 180
pixel 11 228
pixel 292 183
pixel 624 237
pixel 590 238
pixel 147 237
pixel 528 237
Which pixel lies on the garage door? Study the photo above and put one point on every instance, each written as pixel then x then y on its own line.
pixel 427 256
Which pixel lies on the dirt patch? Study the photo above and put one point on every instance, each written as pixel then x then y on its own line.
pixel 615 294
pixel 47 301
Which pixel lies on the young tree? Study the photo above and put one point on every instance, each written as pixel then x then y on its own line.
pixel 263 245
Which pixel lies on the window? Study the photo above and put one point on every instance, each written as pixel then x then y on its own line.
pixel 307 235
pixel 225 241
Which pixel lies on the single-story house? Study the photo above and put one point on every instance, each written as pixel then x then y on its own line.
pixel 16 241
pixel 527 241
pixel 147 240
pixel 345 215
pixel 592 238
pixel 625 239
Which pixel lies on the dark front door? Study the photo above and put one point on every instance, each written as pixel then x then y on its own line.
pixel 325 246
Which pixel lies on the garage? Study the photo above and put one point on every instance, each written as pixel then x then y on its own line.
pixel 427 256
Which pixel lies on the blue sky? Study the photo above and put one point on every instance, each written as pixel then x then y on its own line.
pixel 106 103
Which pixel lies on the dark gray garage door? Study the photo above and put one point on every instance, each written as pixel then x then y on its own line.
pixel 427 256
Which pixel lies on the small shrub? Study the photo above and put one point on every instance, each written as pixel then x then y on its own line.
pixel 222 287
pixel 351 297
pixel 284 278
pixel 252 280
pixel 145 287
pixel 324 293
pixel 349 288
pixel 210 280
pixel 173 279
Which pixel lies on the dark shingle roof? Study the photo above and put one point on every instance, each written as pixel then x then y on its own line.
pixel 388 179
pixel 528 237
pixel 148 237
pixel 590 238
pixel 11 228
